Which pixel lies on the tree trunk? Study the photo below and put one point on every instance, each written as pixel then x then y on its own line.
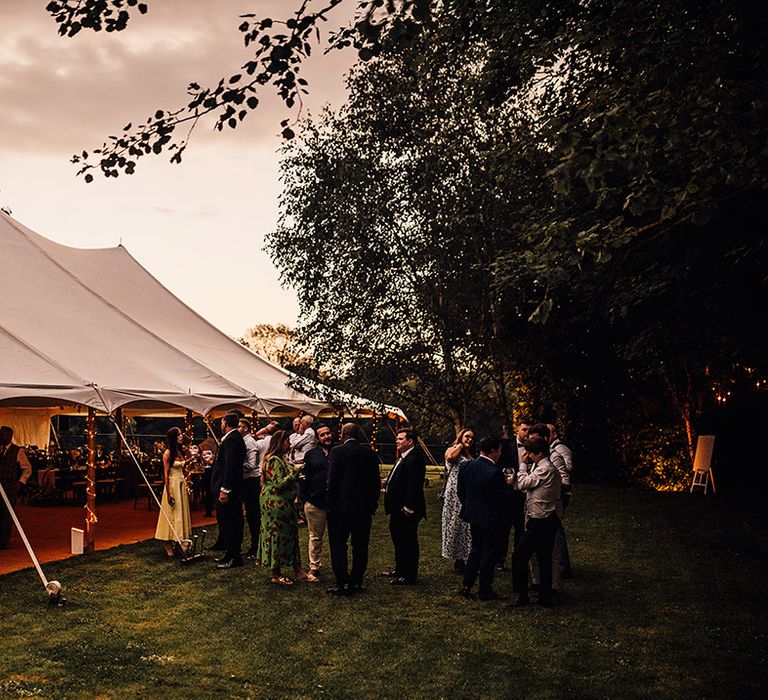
pixel 683 401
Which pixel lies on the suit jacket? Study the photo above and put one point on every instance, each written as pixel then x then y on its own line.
pixel 228 468
pixel 405 486
pixel 510 458
pixel 481 490
pixel 354 480
pixel 313 481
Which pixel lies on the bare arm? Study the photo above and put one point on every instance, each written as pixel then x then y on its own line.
pixel 166 471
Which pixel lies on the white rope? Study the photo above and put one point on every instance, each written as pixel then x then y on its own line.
pixel 149 486
pixel 23 537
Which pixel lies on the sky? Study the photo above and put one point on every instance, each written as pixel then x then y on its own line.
pixel 199 226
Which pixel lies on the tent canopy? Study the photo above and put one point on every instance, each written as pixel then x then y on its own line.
pixel 93 327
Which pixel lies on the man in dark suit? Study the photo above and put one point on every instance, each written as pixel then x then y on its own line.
pixel 227 489
pixel 514 501
pixel 404 503
pixel 481 492
pixel 354 485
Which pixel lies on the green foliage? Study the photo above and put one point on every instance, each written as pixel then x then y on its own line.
pixel 567 197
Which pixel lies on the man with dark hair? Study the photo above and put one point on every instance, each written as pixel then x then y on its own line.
pixel 354 485
pixel 514 501
pixel 313 483
pixel 481 492
pixel 251 485
pixel 15 470
pixel 227 488
pixel 541 484
pixel 405 504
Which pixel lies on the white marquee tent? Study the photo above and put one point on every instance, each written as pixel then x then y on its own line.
pixel 94 328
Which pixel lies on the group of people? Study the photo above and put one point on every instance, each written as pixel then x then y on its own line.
pixel 270 478
pixel 521 485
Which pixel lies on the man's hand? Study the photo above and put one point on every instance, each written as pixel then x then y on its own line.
pixel 223 497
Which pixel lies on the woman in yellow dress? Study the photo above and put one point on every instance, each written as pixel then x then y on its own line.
pixel 174 523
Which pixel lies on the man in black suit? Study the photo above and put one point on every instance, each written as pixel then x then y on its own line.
pixel 354 485
pixel 404 503
pixel 514 501
pixel 227 489
pixel 481 492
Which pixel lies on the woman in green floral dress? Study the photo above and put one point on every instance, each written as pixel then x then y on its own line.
pixel 279 534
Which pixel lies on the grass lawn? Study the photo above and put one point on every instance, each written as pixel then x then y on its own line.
pixel 668 600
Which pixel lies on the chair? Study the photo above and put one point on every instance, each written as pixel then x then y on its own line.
pixel 143 490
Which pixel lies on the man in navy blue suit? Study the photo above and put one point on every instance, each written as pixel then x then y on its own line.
pixel 481 492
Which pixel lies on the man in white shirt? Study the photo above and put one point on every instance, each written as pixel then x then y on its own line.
pixel 303 440
pixel 15 471
pixel 557 447
pixel 251 485
pixel 541 484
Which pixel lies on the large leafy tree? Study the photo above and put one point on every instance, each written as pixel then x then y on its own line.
pixel 374 239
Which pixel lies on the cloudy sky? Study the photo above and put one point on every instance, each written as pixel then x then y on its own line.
pixel 198 226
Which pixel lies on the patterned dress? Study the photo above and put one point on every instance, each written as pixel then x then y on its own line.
pixel 178 513
pixel 279 535
pixel 457 540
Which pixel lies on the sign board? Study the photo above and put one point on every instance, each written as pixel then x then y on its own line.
pixel 705 445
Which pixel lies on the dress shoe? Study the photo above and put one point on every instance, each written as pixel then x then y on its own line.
pixel 390 574
pixel 487 597
pixel 223 558
pixel 230 564
pixel 250 554
pixel 519 603
pixel 465 591
pixel 339 590
pixel 356 588
pixel 501 567
pixel 401 581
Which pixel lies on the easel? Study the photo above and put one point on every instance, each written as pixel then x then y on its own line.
pixel 702 463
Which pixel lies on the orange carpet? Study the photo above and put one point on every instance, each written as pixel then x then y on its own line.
pixel 48 530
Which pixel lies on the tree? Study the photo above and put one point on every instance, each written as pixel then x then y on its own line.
pixel 279 48
pixel 276 343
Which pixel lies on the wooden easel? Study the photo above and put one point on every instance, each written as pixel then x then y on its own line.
pixel 702 463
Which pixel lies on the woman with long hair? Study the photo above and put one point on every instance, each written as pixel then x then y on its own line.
pixel 457 540
pixel 279 535
pixel 174 522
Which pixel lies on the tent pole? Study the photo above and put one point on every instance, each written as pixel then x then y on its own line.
pixel 208 425
pixel 55 433
pixel 118 442
pixel 90 484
